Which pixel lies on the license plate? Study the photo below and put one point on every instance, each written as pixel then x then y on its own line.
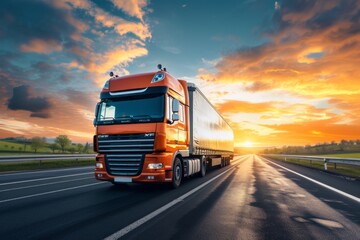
pixel 122 179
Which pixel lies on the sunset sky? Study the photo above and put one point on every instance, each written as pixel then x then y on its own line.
pixel 281 72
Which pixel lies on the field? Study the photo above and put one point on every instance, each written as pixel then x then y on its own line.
pixel 9 147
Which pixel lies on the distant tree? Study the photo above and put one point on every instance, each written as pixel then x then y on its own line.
pixel 36 143
pixel 86 148
pixel 72 149
pixel 79 147
pixel 63 141
pixel 23 140
pixel 54 147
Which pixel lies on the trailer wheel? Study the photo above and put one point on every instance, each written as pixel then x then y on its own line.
pixel 203 167
pixel 177 173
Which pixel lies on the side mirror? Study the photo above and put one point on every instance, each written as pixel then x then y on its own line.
pixel 94 122
pixel 175 106
pixel 175 117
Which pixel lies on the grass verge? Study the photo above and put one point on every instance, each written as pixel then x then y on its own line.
pixel 344 155
pixel 44 164
pixel 343 169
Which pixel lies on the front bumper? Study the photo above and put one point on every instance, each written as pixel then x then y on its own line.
pixel 163 174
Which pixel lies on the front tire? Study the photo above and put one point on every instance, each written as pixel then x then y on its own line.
pixel 177 173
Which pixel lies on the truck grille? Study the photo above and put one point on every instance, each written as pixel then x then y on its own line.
pixel 124 154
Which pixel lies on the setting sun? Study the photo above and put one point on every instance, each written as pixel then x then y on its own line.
pixel 248 144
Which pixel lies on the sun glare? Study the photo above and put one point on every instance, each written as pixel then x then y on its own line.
pixel 248 144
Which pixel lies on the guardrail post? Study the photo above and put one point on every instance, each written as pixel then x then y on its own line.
pixel 325 164
pixel 285 159
pixel 334 165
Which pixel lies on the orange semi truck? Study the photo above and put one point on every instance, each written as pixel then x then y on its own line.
pixel 152 127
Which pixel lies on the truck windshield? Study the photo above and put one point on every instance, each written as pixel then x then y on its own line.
pixel 149 109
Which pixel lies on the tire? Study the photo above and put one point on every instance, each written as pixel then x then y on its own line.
pixel 203 167
pixel 177 173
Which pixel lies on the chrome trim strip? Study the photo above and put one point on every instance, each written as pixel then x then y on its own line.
pixel 128 150
pixel 127 155
pixel 127 140
pixel 127 92
pixel 124 146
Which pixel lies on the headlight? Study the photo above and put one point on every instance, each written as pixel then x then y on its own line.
pixel 155 165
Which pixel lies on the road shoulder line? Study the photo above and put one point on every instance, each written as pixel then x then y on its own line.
pixel 317 182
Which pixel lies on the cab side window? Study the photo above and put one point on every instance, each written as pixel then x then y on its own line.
pixel 182 113
pixel 169 104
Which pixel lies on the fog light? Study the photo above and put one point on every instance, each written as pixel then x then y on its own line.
pixel 100 175
pixel 150 177
pixel 99 165
pixel 155 165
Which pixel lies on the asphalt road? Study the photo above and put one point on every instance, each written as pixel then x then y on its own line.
pixel 253 198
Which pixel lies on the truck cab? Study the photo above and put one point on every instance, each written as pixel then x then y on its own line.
pixel 143 130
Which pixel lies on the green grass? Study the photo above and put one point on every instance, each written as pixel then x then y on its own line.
pixel 344 155
pixel 343 169
pixel 44 164
pixel 17 147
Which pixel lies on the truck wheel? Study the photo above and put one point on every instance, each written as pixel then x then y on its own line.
pixel 177 173
pixel 203 167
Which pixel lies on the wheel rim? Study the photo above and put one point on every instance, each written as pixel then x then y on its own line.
pixel 177 172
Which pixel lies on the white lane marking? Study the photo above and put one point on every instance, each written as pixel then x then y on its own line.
pixel 150 216
pixel 42 179
pixel 45 184
pixel 50 192
pixel 4 174
pixel 319 183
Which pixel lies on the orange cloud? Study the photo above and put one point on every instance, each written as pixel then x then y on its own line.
pixel 311 54
pixel 41 46
pixel 131 7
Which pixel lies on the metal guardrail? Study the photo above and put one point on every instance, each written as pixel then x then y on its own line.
pixel 48 157
pixel 325 160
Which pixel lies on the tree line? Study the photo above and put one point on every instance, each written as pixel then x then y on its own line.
pixel 344 146
pixel 62 144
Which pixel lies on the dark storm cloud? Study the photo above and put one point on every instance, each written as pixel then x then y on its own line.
pixel 23 100
pixel 43 66
pixel 40 115
pixel 316 15
pixel 84 99
pixel 23 21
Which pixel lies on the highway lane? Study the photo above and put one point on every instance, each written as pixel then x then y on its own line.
pixel 252 199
